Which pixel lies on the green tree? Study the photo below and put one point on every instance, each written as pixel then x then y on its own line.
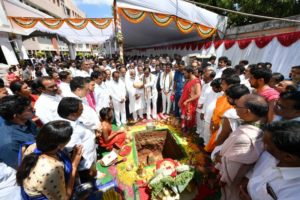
pixel 272 8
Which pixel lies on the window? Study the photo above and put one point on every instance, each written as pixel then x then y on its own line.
pixel 58 3
pixel 87 46
pixel 68 12
pixel 33 39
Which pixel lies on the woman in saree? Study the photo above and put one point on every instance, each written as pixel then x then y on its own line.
pixel 189 99
pixel 46 172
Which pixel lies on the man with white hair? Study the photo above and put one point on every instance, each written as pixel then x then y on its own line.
pixel 134 95
pixel 85 69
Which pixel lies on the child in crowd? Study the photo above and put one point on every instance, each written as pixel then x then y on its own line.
pixel 110 139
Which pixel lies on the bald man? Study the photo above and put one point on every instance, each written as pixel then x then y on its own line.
pixel 244 145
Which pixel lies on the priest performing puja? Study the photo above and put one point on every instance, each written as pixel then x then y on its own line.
pixel 149 100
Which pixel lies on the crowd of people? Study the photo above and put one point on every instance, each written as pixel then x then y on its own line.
pixel 53 114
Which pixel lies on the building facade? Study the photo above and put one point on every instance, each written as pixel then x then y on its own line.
pixel 59 9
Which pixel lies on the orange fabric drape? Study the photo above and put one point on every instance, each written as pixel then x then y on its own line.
pixel 56 23
pixel 222 106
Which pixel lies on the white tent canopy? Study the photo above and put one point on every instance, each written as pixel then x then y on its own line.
pixel 147 33
pixel 89 34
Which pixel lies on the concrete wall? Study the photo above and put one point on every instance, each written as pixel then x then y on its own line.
pixel 271 27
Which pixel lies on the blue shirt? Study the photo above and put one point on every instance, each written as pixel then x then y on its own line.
pixel 179 80
pixel 12 137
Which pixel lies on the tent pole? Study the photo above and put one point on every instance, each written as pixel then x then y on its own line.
pixel 118 32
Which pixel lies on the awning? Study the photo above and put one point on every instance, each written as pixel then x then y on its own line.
pixel 149 23
pixel 25 20
pixel 74 30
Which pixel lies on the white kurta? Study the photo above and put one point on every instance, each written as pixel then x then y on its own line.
pixel 65 88
pixel 82 73
pixel 118 92
pixel 219 72
pixel 8 186
pixel 208 109
pixel 134 104
pixel 102 97
pixel 151 94
pixel 46 107
pixel 166 86
pixel 200 123
pixel 283 181
pixel 85 137
pixel 89 117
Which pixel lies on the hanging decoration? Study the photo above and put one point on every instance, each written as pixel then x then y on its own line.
pixel 184 26
pixel 163 20
pixel 54 23
pixel 100 23
pixel 204 31
pixel 132 15
pixel 77 24
pixel 24 22
pixel 285 40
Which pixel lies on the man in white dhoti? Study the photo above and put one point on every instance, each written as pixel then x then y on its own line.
pixel 208 76
pixel 118 95
pixel 213 91
pixel 150 92
pixel 134 95
pixel 46 105
pixel 166 83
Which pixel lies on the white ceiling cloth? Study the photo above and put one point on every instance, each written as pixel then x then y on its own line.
pixel 89 34
pixel 146 33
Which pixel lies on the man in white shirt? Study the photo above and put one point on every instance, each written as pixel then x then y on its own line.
pixel 73 69
pixel 70 109
pixel 118 95
pixel 222 65
pixel 166 84
pixel 151 94
pixel 108 78
pixel 240 70
pixel 214 92
pixel 122 71
pixel 101 91
pixel 212 62
pixel 134 95
pixel 46 105
pixel 279 179
pixel 85 69
pixel 8 186
pixel 208 76
pixel 89 118
pixel 64 85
